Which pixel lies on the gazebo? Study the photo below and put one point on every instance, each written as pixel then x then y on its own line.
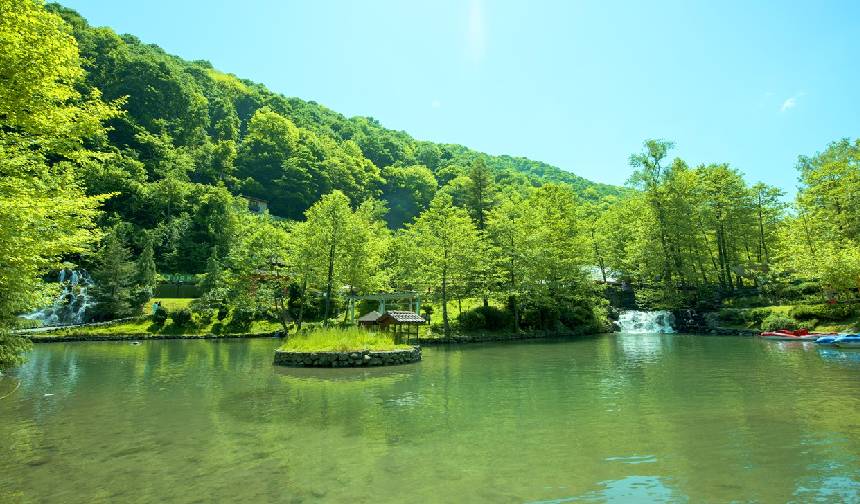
pixel 369 319
pixel 398 319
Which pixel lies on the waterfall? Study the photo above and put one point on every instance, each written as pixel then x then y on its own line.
pixel 634 321
pixel 70 306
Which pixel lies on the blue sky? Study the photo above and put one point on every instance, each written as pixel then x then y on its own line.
pixel 577 84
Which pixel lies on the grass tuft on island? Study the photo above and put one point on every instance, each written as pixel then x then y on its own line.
pixel 341 340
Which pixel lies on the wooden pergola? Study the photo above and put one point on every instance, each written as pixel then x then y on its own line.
pixel 413 297
pixel 395 320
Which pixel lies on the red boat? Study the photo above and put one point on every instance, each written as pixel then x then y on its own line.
pixel 788 335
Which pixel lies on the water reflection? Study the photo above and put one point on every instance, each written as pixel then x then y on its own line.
pixel 621 418
pixel 847 357
pixel 642 347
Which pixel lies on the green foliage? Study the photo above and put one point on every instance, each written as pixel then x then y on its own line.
pixel 159 317
pixel 822 241
pixel 828 312
pixel 775 322
pixel 48 121
pixel 242 316
pixel 442 250
pixel 114 277
pixel 732 316
pixel 12 348
pixel 485 318
pixel 756 316
pixel 340 340
pixel 182 317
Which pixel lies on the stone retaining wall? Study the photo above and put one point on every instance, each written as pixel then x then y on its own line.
pixel 362 358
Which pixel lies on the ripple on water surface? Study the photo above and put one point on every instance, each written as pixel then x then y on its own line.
pixel 620 418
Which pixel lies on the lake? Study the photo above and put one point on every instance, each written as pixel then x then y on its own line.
pixel 617 418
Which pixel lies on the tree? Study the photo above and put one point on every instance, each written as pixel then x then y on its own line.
pixel 649 177
pixel 508 229
pixel 408 191
pixel 339 246
pixel 44 120
pixel 114 279
pixel 259 277
pixel 329 221
pixel 481 192
pixel 827 220
pixel 443 245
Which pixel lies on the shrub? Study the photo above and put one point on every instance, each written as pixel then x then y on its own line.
pixel 182 318
pixel 775 321
pixel 577 317
pixel 243 316
pixel 484 317
pixel 203 311
pixel 804 312
pixel 757 315
pixel 840 311
pixel 732 316
pixel 159 317
pixel 831 312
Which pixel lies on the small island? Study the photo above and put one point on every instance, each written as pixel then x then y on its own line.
pixel 353 347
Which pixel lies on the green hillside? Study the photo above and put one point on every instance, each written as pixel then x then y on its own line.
pixel 187 121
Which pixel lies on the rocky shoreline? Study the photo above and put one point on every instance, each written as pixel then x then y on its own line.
pixel 694 322
pixel 361 358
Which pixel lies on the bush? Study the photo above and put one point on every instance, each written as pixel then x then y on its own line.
pixel 757 315
pixel 578 317
pixel 831 312
pixel 484 317
pixel 182 318
pixel 774 322
pixel 243 316
pixel 159 317
pixel 732 316
pixel 203 311
pixel 804 312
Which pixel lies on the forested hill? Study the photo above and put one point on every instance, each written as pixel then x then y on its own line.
pixel 185 120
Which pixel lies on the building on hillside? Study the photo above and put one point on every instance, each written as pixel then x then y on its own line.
pixel 257 206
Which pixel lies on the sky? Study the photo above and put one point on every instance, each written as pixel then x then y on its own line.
pixel 578 84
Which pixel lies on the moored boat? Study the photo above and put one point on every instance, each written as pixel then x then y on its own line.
pixel 848 341
pixel 798 335
pixel 827 340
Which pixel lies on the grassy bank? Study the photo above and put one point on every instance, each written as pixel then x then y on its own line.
pixel 144 326
pixel 341 340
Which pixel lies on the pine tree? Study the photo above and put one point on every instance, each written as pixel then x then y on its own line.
pixel 114 279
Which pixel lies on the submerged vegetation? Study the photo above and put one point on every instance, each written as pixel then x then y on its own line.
pixel 127 161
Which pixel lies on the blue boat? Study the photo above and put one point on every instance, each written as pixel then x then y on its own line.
pixel 848 341
pixel 827 340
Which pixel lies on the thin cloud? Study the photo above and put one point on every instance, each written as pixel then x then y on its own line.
pixel 436 104
pixel 476 33
pixel 790 102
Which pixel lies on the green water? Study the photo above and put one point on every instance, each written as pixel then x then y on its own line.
pixel 623 418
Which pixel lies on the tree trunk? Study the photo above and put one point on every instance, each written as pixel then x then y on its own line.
pixel 445 328
pixel 513 301
pixel 329 283
pixel 302 304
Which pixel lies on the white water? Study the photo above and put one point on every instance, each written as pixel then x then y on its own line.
pixel 70 306
pixel 634 321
